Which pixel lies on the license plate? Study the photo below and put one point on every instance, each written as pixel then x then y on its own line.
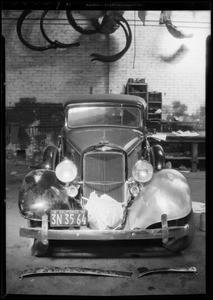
pixel 68 218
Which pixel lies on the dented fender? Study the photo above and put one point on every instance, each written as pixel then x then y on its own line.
pixel 167 193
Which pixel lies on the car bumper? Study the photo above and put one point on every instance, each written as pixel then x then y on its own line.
pixel 44 234
pixel 66 234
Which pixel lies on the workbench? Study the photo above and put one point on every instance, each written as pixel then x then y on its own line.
pixel 194 141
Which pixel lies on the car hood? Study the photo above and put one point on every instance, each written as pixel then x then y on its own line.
pixel 84 138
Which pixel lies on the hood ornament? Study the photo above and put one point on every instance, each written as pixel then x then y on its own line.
pixel 104 141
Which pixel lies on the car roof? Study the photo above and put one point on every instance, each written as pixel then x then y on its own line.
pixel 115 98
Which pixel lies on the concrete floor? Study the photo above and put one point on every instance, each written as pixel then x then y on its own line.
pixel 118 256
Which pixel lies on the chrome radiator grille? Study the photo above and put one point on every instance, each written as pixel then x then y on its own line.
pixel 104 173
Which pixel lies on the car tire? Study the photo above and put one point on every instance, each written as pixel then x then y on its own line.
pixel 38 249
pixel 180 244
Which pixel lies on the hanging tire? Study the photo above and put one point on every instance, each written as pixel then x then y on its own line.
pixel 180 244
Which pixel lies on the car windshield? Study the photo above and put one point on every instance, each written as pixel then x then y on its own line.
pixel 104 116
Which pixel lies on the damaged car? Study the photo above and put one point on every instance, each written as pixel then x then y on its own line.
pixel 104 181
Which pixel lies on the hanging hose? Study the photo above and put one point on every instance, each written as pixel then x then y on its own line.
pixel 77 27
pixel 57 43
pixel 112 58
pixel 109 24
pixel 21 19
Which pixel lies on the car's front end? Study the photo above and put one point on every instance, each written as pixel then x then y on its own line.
pixel 103 185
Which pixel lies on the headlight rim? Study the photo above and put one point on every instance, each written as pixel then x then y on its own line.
pixel 66 163
pixel 137 166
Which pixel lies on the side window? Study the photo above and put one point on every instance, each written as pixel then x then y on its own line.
pixel 131 117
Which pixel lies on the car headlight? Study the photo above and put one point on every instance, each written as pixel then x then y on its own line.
pixel 142 171
pixel 66 171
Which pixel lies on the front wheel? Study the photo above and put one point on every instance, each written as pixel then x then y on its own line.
pixel 182 243
pixel 38 249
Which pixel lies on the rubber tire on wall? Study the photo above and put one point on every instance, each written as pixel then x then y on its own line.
pixel 180 244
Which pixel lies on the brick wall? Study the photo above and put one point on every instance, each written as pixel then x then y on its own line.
pixel 53 75
pixel 152 56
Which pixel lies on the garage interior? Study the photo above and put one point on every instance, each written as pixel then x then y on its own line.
pixel 168 68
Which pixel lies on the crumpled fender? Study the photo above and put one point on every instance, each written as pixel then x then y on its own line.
pixel 40 192
pixel 167 193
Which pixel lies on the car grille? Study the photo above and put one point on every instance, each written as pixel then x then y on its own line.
pixel 104 173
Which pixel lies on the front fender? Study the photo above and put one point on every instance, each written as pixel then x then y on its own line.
pixel 157 157
pixel 167 193
pixel 50 157
pixel 40 192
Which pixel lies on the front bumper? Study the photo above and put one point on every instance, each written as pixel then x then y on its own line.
pixel 54 234
pixel 44 234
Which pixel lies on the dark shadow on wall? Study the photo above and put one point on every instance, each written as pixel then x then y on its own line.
pixel 177 56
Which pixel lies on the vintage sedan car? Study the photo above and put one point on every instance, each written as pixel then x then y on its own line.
pixel 105 182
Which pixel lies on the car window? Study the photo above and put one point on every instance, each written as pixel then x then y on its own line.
pixel 100 115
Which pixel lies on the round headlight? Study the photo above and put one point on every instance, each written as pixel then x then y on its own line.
pixel 66 171
pixel 142 171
